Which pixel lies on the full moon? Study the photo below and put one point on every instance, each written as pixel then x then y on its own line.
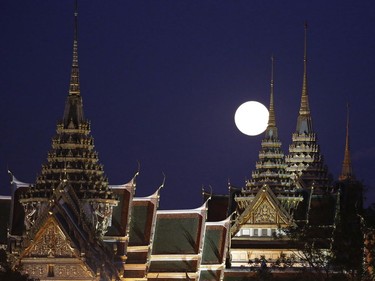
pixel 251 118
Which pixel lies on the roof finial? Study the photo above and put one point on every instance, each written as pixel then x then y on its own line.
pixel 74 88
pixel 271 118
pixel 76 20
pixel 347 172
pixel 305 109
pixel 271 131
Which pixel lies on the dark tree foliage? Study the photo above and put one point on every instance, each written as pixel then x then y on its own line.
pixel 348 236
pixel 369 245
pixel 263 273
pixel 333 250
pixel 369 216
pixel 313 247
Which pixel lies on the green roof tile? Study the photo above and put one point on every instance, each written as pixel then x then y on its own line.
pixel 141 223
pixel 177 234
pixel 173 266
pixel 214 243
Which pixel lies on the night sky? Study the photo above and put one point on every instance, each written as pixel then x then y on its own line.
pixel 161 80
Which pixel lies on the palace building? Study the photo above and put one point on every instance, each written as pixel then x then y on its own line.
pixel 72 224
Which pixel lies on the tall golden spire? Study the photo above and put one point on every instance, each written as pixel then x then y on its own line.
pixel 304 122
pixel 73 161
pixel 305 109
pixel 305 162
pixel 270 169
pixel 271 118
pixel 347 172
pixel 271 131
pixel 74 88
pixel 73 113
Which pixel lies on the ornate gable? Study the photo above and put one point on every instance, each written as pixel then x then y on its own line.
pixel 264 209
pixel 264 213
pixel 53 254
pixel 50 241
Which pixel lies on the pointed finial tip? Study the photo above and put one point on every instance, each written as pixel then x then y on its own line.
pixel 305 24
pixel 76 7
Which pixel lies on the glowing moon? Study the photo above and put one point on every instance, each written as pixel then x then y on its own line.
pixel 251 118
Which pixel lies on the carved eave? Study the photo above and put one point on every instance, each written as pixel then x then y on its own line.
pixel 267 199
pixel 202 210
pixel 245 200
pixel 111 202
pixel 25 200
pixel 16 183
pixel 121 218
pixel 130 185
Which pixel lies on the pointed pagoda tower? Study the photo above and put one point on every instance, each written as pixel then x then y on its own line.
pixel 73 160
pixel 270 169
pixel 347 171
pixel 267 203
pixel 305 162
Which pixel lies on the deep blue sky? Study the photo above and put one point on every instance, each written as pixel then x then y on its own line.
pixel 161 81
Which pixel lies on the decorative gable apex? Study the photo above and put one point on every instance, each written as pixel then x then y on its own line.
pixel 264 213
pixel 52 254
pixel 50 241
pixel 264 209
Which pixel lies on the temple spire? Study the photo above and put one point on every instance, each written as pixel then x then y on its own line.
pixel 305 162
pixel 74 88
pixel 73 113
pixel 270 169
pixel 347 172
pixel 271 131
pixel 304 122
pixel 73 165
pixel 305 109
pixel 271 119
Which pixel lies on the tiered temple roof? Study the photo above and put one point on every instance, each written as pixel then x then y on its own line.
pixel 270 169
pixel 73 157
pixel 74 160
pixel 305 162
